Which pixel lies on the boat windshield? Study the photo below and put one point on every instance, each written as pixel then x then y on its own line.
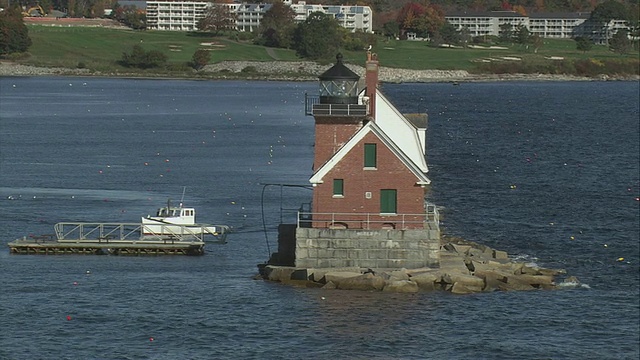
pixel 168 212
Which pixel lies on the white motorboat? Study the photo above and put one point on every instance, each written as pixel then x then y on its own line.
pixel 179 221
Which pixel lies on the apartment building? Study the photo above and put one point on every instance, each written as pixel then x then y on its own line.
pixel 556 25
pixel 545 25
pixel 184 15
pixel 174 15
pixel 353 18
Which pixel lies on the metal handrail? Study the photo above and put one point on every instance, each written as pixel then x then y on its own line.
pixel 117 232
pixel 312 106
pixel 309 101
pixel 367 220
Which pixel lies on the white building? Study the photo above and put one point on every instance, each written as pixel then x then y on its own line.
pixel 183 15
pixel 558 26
pixel 352 18
pixel 545 25
pixel 175 15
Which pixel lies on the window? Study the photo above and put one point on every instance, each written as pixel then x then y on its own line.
pixel 388 201
pixel 338 187
pixel 370 155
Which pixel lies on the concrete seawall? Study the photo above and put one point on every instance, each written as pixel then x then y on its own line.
pixel 335 248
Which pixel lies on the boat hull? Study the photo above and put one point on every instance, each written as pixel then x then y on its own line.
pixel 150 227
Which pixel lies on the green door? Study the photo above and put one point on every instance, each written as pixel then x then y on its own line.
pixel 388 201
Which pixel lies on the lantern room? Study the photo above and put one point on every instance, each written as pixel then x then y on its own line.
pixel 339 85
pixel 339 94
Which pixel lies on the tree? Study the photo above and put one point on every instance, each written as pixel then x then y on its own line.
pixel 583 44
pixel 130 16
pixel 277 26
pixel 142 59
pixel 620 42
pixel 318 37
pixel 607 11
pixel 433 18
pixel 604 13
pixel 537 42
pixel 216 19
pixel 520 10
pixel 449 34
pixel 522 35
pixel 424 21
pixel 408 14
pixel 358 40
pixel 14 34
pixel 391 29
pixel 436 40
pixel 506 33
pixel 465 36
pixel 200 59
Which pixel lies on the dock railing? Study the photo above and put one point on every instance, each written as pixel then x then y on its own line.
pixel 134 232
pixel 368 221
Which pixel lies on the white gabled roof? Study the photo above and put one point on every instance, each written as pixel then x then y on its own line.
pixel 401 131
pixel 371 127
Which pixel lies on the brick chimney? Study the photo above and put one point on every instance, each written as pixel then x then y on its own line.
pixel 371 81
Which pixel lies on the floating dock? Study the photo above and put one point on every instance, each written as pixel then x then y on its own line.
pixel 113 239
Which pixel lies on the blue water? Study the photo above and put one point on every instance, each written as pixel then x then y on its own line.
pixel 548 171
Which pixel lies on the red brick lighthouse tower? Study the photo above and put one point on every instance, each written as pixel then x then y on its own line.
pixel 369 206
pixel 369 165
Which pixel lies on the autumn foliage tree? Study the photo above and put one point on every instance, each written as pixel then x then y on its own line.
pixel 408 17
pixel 217 19
pixel 277 26
pixel 200 59
pixel 423 20
pixel 129 15
pixel 14 34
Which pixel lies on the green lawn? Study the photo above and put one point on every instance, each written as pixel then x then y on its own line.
pixel 101 48
pixel 417 55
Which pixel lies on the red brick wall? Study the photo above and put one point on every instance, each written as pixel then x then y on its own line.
pixel 331 134
pixel 390 174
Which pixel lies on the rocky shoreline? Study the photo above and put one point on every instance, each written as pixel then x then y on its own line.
pixel 297 71
pixel 465 268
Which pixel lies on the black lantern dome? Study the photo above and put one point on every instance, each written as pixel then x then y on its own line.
pixel 339 85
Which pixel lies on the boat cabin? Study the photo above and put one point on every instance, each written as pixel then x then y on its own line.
pixel 176 215
pixel 175 212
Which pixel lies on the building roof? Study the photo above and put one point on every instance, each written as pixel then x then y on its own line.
pixel 501 14
pixel 370 127
pixel 505 14
pixel 396 132
pixel 575 15
pixel 404 133
pixel 137 3
pixel 339 72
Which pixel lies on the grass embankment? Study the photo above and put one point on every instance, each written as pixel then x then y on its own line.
pixel 101 48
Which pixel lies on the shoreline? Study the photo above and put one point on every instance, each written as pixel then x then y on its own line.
pixel 465 267
pixel 298 71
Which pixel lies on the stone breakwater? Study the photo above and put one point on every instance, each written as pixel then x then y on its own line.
pixel 10 69
pixel 309 71
pixel 312 70
pixel 465 267
pixel 294 71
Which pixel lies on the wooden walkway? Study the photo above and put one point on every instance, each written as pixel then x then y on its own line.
pixel 45 246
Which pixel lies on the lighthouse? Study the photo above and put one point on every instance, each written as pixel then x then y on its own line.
pixel 369 206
